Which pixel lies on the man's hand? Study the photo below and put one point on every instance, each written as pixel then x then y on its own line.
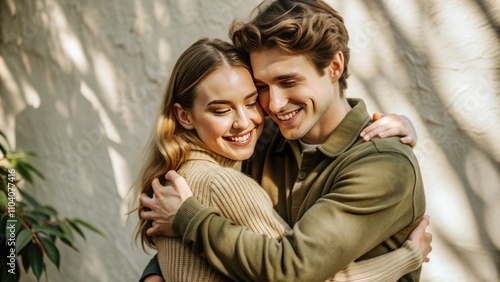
pixel 165 203
pixel 391 125
pixel 422 238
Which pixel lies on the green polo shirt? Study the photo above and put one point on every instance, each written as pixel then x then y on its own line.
pixel 346 200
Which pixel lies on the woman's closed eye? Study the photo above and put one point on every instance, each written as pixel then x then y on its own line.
pixel 221 111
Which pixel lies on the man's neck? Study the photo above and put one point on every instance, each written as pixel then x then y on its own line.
pixel 328 122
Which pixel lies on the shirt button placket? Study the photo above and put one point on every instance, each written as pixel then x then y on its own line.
pixel 302 175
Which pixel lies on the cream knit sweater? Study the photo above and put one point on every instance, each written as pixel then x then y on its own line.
pixel 217 182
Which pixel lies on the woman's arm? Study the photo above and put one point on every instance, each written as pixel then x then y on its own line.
pixel 391 125
pixel 393 265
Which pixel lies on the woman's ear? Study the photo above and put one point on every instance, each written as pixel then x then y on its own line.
pixel 183 117
pixel 336 67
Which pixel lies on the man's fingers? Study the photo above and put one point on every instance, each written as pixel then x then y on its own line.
pixel 173 176
pixel 179 185
pixel 156 230
pixel 156 185
pixel 148 215
pixel 145 200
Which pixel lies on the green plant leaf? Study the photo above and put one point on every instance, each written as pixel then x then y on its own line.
pixel 4 151
pixel 76 228
pixel 25 257
pixel 68 243
pixel 88 226
pixel 30 218
pixel 68 233
pixel 5 138
pixel 30 199
pixel 23 238
pixel 51 250
pixel 3 200
pixel 3 225
pixel 48 230
pixel 36 260
pixel 22 169
pixel 34 170
pixel 18 222
pixel 47 210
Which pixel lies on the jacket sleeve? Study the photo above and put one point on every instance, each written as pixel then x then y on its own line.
pixel 153 268
pixel 369 199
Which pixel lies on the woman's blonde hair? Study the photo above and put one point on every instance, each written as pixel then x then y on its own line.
pixel 168 147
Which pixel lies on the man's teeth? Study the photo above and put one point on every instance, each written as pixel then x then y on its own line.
pixel 287 116
pixel 240 138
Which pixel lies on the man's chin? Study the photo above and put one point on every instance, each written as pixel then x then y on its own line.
pixel 291 134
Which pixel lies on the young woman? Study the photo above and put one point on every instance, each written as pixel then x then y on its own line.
pixel 209 122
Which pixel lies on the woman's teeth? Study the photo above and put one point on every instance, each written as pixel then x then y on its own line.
pixel 240 138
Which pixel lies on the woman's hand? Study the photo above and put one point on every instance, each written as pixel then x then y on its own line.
pixel 422 238
pixel 165 203
pixel 391 125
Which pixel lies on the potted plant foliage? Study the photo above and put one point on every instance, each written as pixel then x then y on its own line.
pixel 29 229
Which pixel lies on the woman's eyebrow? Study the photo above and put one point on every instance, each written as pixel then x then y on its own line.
pixel 218 102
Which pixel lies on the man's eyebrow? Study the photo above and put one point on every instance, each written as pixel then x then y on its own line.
pixel 281 77
pixel 218 102
pixel 286 76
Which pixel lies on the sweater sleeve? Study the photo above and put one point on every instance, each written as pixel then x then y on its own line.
pixel 384 268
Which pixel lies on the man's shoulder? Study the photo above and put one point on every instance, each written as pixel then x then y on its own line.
pixel 390 148
pixel 391 144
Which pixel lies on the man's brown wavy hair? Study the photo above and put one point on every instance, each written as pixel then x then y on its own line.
pixel 306 27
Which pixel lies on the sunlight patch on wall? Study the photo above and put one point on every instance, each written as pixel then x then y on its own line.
pixel 447 200
pixel 105 75
pixel 7 79
pixel 123 181
pixel 31 95
pixel 484 180
pixel 109 129
pixel 69 41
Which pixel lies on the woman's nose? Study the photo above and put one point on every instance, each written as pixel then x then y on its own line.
pixel 241 120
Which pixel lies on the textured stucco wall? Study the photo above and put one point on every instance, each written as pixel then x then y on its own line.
pixel 81 83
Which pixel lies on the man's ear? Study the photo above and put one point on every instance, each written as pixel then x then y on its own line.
pixel 336 67
pixel 183 116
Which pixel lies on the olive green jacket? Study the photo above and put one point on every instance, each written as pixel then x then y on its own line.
pixel 346 200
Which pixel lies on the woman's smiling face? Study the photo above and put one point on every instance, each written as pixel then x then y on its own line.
pixel 226 113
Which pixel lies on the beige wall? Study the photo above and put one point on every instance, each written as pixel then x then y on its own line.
pixel 81 83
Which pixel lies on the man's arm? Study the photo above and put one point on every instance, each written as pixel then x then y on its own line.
pixel 152 272
pixel 364 208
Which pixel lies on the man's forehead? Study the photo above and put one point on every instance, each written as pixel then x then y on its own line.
pixel 275 64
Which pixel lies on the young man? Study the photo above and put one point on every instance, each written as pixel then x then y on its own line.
pixel 346 199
